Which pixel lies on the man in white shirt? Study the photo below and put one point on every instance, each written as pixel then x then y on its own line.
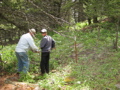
pixel 25 43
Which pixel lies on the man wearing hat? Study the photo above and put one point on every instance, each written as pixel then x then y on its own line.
pixel 25 43
pixel 47 44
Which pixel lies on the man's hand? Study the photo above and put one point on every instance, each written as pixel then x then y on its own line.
pixel 37 51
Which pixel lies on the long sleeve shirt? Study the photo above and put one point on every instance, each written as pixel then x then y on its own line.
pixel 25 43
pixel 46 43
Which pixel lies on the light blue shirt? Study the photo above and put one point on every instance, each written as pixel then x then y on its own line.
pixel 25 43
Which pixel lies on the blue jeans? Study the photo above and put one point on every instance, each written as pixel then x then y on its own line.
pixel 23 61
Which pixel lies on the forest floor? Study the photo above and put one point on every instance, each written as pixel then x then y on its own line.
pixel 10 82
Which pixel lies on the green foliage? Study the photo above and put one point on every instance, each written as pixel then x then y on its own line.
pixel 102 8
pixel 54 64
pixel 78 26
pixel 9 58
pixel 68 5
pixel 27 77
pixel 97 67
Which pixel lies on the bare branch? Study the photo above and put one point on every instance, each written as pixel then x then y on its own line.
pixel 50 15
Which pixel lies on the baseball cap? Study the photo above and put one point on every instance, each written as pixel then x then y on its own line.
pixel 43 30
pixel 32 30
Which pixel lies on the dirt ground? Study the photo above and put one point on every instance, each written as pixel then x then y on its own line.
pixel 10 82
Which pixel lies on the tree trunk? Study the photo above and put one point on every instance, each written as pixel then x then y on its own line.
pixel 116 40
pixel 95 20
pixel 81 14
pixel 89 21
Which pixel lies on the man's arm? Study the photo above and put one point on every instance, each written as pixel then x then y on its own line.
pixel 43 43
pixel 33 46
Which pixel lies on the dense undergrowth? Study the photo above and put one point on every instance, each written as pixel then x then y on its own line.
pixel 97 67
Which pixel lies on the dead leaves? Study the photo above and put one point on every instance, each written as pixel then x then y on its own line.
pixel 69 79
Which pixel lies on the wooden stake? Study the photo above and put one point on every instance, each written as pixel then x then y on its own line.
pixel 76 55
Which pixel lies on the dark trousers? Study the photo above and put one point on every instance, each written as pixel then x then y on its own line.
pixel 44 64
